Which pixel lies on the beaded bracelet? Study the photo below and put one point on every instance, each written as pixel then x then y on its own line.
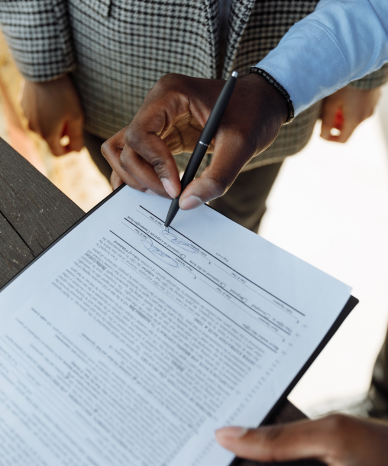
pixel 279 88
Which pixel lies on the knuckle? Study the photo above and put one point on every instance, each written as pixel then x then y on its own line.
pixel 219 185
pixel 160 168
pixel 161 82
pixel 105 148
pixel 110 147
pixel 336 423
pixel 166 81
pixel 132 136
pixel 160 86
pixel 339 436
pixel 273 438
pixel 274 433
pixel 167 84
pixel 123 162
pixel 246 140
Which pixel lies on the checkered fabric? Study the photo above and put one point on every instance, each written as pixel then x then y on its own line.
pixel 117 49
pixel 38 34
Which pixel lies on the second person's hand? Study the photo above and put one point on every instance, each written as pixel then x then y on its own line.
pixel 170 121
pixel 353 105
pixel 53 110
pixel 335 440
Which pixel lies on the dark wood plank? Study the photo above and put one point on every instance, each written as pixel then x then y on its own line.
pixel 14 254
pixel 34 212
pixel 36 209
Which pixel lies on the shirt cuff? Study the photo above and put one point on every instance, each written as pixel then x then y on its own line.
pixel 307 76
pixel 341 41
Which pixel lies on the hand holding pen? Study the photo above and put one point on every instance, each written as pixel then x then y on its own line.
pixel 171 120
pixel 203 143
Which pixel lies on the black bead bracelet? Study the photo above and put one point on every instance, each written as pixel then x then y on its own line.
pixel 279 88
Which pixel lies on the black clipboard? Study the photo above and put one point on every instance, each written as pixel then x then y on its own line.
pixel 349 306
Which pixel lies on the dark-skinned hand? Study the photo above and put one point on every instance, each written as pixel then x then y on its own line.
pixel 345 110
pixel 336 440
pixel 53 110
pixel 170 121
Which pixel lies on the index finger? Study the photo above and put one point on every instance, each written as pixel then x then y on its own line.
pixel 145 136
pixel 129 166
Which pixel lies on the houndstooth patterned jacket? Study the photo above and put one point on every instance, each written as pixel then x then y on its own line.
pixel 117 49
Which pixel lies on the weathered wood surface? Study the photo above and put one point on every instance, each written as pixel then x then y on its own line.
pixel 33 214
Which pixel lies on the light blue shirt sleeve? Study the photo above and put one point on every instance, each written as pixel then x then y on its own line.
pixel 342 40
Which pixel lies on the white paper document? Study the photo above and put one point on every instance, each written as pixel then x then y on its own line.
pixel 126 344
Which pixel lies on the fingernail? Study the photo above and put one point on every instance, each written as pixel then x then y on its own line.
pixel 190 202
pixel 168 186
pixel 231 432
pixel 148 191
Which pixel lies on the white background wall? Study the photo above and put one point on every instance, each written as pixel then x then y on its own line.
pixel 329 206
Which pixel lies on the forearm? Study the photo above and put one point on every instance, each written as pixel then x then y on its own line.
pixel 343 40
pixel 38 35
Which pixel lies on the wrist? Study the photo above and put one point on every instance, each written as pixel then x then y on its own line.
pixel 269 100
pixel 279 88
pixel 57 80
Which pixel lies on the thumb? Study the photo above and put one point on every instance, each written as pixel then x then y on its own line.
pixel 75 132
pixel 299 440
pixel 208 186
pixel 328 116
pixel 230 155
pixel 53 141
pixel 348 125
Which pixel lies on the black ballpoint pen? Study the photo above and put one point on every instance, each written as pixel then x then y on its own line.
pixel 205 139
